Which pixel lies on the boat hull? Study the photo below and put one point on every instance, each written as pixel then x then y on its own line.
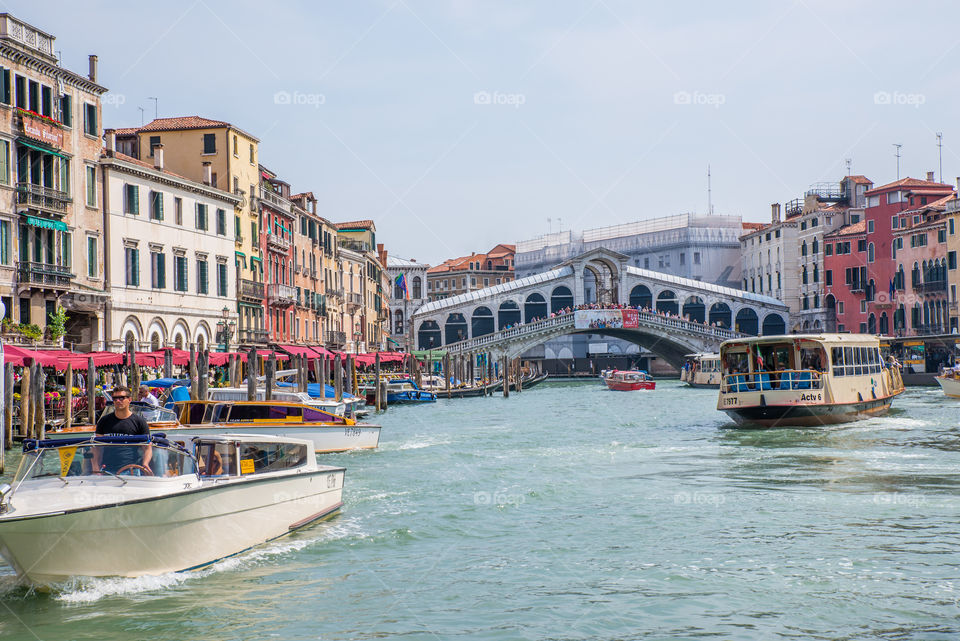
pixel 808 415
pixel 620 386
pixel 950 386
pixel 325 438
pixel 175 532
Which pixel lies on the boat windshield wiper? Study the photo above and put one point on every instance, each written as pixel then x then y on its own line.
pixel 104 470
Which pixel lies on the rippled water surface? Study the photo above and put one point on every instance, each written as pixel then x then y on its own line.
pixel 572 512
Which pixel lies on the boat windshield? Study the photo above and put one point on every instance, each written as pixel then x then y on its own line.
pixel 113 458
pixel 150 413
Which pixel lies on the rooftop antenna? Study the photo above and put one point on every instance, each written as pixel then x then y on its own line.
pixel 549 225
pixel 940 152
pixel 849 162
pixel 709 193
pixel 155 103
pixel 898 145
pixel 559 224
pixel 141 115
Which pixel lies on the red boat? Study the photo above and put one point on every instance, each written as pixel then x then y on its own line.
pixel 627 381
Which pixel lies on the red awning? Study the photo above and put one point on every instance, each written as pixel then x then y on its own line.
pixel 79 360
pixel 18 356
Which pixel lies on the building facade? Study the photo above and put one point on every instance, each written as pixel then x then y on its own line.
pixel 466 274
pixel 170 275
pixel 405 301
pixel 365 286
pixel 50 191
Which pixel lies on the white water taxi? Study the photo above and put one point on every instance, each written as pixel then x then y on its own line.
pixel 141 505
pixel 949 381
pixel 702 370
pixel 806 379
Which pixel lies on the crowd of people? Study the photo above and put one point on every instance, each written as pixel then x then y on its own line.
pixel 620 306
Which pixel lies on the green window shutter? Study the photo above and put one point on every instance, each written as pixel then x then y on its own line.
pixel 236 226
pixel 92 257
pixel 5 94
pixel 66 110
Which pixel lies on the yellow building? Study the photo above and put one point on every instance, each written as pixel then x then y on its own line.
pixel 365 285
pixel 952 216
pixel 226 157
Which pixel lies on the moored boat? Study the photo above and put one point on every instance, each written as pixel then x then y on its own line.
pixel 629 380
pixel 142 505
pixel 949 381
pixel 806 380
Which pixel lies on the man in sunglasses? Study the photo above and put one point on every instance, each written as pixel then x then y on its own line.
pixel 122 422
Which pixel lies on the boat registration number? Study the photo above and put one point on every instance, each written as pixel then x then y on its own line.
pixel 731 400
pixel 351 431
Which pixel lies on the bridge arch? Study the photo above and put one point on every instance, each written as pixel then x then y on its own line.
pixel 481 322
pixel 455 329
pixel 561 297
pixel 535 306
pixel 720 315
pixel 747 322
pixel 694 309
pixel 429 335
pixel 774 324
pixel 508 314
pixel 667 302
pixel 640 296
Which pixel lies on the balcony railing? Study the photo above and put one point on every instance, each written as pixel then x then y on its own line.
pixel 279 294
pixel 353 244
pixel 278 202
pixel 53 276
pixel 259 336
pixel 42 197
pixel 932 286
pixel 250 289
pixel 335 293
pixel 335 339
pixel 354 299
pixel 278 243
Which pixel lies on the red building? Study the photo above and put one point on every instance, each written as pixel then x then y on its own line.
pixel 277 227
pixel 864 268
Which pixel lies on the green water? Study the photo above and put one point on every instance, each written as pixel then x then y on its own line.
pixel 572 512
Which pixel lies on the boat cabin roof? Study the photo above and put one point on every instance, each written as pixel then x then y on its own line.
pixel 827 339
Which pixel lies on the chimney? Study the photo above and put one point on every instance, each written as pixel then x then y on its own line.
pixel 930 176
pixel 207 173
pixel 93 68
pixel 111 136
pixel 158 157
pixel 775 213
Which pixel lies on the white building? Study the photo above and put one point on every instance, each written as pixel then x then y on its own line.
pixel 770 259
pixel 170 268
pixel 404 304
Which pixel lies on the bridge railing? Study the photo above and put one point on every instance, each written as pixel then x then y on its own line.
pixel 646 318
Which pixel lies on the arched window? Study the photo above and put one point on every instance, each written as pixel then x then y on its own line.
pixel 816 275
pixel 398 292
pixel 816 247
pixel 804 276
pixel 803 248
pixel 417 288
pixel 870 255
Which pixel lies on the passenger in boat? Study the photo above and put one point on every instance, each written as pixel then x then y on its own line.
pixel 145 396
pixel 122 422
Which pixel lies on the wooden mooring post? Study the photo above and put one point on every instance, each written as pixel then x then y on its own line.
pixel 378 393
pixel 252 374
pixel 91 391
pixel 338 378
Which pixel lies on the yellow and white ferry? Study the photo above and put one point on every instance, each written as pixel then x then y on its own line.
pixel 806 379
pixel 702 370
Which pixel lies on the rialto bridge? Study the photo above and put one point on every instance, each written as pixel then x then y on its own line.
pixel 685 315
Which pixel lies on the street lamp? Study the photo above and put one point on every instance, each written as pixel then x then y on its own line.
pixel 225 329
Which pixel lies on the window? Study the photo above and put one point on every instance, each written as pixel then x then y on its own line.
pixel 236 149
pixel 646 263
pixel 828 277
pixel 814 222
pixel 132 266
pixel 66 246
pixel 92 270
pixel 840 309
pixel 950 222
pixel 5 242
pixel 870 253
pixel 201 216
pixel 951 260
pixel 862 245
pixel 90 120
pixel 252 161
pixel 21 87
pixel 180 273
pixel 894 220
pixel 222 278
pixel 828 249
pixel 209 143
pixel 696 258
pixel 253 233
pixel 66 110
pixel 158 270
pixel 156 205
pixel 131 199
pixel 154 142
pixel 91 173
pixel 942 235
pixel 683 258
pixel 221 222
pixel 869 226
pixel 34 95
pixel 5 98
pixel 803 226
pixel 202 284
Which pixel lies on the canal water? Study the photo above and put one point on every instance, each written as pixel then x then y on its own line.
pixel 572 512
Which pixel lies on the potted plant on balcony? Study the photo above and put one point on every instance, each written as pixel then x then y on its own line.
pixel 57 325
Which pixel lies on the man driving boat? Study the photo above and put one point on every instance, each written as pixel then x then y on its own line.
pixel 122 422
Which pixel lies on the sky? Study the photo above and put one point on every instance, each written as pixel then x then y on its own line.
pixel 458 125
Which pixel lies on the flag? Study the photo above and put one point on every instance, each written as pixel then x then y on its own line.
pixel 760 365
pixel 401 282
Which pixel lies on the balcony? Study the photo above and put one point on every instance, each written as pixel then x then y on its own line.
pixel 250 290
pixel 826 191
pixel 278 243
pixel 354 245
pixel 44 275
pixel 253 336
pixel 335 339
pixel 313 272
pixel 43 197
pixel 931 286
pixel 297 269
pixel 283 295
pixel 276 201
pixel 335 293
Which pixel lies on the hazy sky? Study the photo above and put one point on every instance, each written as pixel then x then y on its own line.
pixel 458 125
